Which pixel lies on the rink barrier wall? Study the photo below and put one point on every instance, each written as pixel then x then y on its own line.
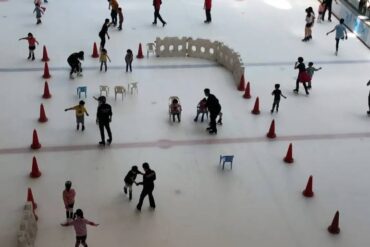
pixel 202 48
pixel 27 231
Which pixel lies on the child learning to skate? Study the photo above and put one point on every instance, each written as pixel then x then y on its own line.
pixel 128 59
pixel 103 59
pixel 320 11
pixel 276 93
pixel 130 179
pixel 69 195
pixel 310 71
pixel 79 223
pixel 39 12
pixel 80 114
pixel 201 109
pixel 31 45
pixel 175 109
pixel 120 18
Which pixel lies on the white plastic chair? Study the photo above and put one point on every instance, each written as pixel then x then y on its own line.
pixel 150 49
pixel 133 86
pixel 104 89
pixel 119 90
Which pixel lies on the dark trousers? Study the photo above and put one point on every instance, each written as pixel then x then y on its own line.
pixel 336 44
pixel 212 121
pixel 101 65
pixel 128 65
pixel 74 68
pixel 304 85
pixel 105 125
pixel 208 15
pixel 275 104
pixel 102 40
pixel 120 25
pixel 174 115
pixel 327 7
pixel 158 15
pixel 113 14
pixel 147 191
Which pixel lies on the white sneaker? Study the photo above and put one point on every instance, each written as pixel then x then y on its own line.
pixel 79 74
pixel 71 77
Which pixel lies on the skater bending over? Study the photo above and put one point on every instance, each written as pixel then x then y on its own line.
pixel 75 64
pixel 130 179
pixel 277 93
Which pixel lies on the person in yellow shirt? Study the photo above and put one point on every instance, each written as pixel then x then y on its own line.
pixel 103 59
pixel 80 114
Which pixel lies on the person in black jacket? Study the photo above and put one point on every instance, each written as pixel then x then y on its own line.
pixel 74 61
pixel 148 186
pixel 214 109
pixel 104 32
pixel 103 118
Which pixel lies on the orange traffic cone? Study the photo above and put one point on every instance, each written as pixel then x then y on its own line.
pixel 35 141
pixel 256 108
pixel 308 191
pixel 241 86
pixel 271 133
pixel 45 57
pixel 140 52
pixel 42 118
pixel 30 198
pixel 334 227
pixel 35 173
pixel 46 94
pixel 289 155
pixel 247 93
pixel 46 71
pixel 95 51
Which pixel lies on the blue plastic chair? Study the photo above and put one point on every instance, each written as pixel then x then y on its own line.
pixel 81 90
pixel 226 158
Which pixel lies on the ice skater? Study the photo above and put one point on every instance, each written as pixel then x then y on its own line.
pixel 80 114
pixel 328 5
pixel 310 71
pixel 104 32
pixel 79 223
pixel 175 110
pixel 207 8
pixel 113 6
pixel 276 93
pixel 303 76
pixel 320 11
pixel 130 180
pixel 368 112
pixel 201 109
pixel 157 7
pixel 120 18
pixel 31 45
pixel 75 64
pixel 69 195
pixel 103 59
pixel 128 59
pixel 214 109
pixel 340 33
pixel 103 118
pixel 148 186
pixel 39 12
pixel 310 20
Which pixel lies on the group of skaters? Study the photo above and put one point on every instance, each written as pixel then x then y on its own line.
pixel 77 220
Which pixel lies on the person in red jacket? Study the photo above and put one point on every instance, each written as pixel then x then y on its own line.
pixel 157 6
pixel 207 7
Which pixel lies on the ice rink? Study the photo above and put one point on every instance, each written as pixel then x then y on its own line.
pixel 259 202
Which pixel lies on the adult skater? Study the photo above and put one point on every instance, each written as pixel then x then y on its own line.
pixel 104 32
pixel 303 77
pixel 157 7
pixel 368 112
pixel 148 186
pixel 214 109
pixel 340 33
pixel 328 4
pixel 310 20
pixel 207 8
pixel 113 6
pixel 74 61
pixel 103 118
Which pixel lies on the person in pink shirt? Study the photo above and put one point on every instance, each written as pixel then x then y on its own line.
pixel 207 7
pixel 69 195
pixel 31 45
pixel 79 223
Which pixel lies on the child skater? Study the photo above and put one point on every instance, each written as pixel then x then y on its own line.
pixel 120 18
pixel 340 33
pixel 277 93
pixel 303 76
pixel 321 11
pixel 128 59
pixel 79 223
pixel 69 195
pixel 201 109
pixel 310 71
pixel 80 114
pixel 39 12
pixel 103 59
pixel 175 109
pixel 31 45
pixel 130 179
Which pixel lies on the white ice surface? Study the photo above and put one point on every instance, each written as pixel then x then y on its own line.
pixel 259 202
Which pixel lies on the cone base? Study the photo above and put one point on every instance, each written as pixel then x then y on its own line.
pixel 255 112
pixel 271 135
pixel 35 174
pixel 45 60
pixel 94 55
pixel 43 120
pixel 139 57
pixel 36 146
pixel 307 193
pixel 46 96
pixel 334 230
pixel 241 88
pixel 46 76
pixel 288 160
pixel 246 96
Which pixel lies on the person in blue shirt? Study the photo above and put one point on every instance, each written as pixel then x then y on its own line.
pixel 340 33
